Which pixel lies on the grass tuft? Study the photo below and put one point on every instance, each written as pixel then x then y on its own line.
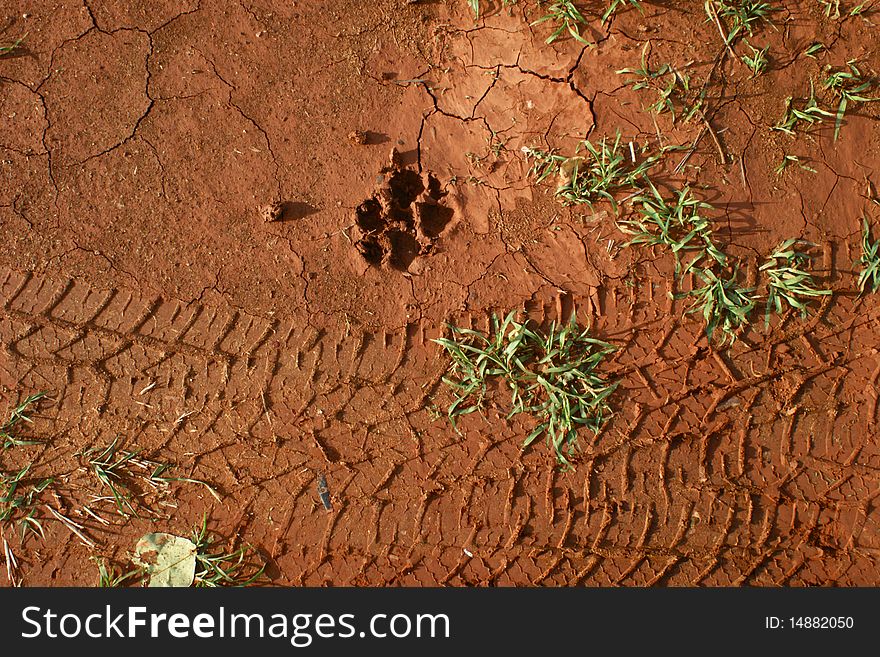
pixel 849 86
pixel 675 223
pixel 723 304
pixel 117 469
pixel 217 568
pixel 19 493
pixel 814 49
pixel 9 48
pixel 810 114
pixel 789 285
pixel 551 375
pixel 475 6
pixel 19 496
pixel 567 18
pixel 831 7
pixel 110 466
pixel 869 276
pixel 616 5
pixel 672 87
pixel 111 576
pixel 834 11
pixel 862 9
pixel 604 169
pixel 757 63
pixel 788 160
pixel 18 414
pixel 742 15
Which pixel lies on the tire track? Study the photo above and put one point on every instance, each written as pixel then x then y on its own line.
pixel 651 502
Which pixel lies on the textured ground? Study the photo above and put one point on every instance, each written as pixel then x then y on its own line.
pixel 142 287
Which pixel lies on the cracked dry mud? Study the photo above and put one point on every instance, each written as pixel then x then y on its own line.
pixel 140 287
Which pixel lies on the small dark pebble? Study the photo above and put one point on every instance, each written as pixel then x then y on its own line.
pixel 324 492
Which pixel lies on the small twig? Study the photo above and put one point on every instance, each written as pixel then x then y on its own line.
pixel 71 525
pixel 183 416
pixel 872 192
pixel 96 516
pixel 268 416
pixel 711 7
pixel 11 564
pixel 691 151
pixel 190 480
pixel 715 138
pixel 404 83
pixel 657 129
pixel 630 196
pixel 719 58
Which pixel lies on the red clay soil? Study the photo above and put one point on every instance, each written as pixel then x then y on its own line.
pixel 231 230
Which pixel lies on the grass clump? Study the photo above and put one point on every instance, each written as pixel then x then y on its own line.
pixel 597 175
pixel 789 285
pixel 110 466
pixel 869 275
pixel 475 6
pixel 218 568
pixel 814 49
pixel 18 499
pixel 672 87
pixel 723 304
pixel 567 18
pixel 551 375
pixel 8 432
pixel 615 5
pixel 757 63
pixel 9 48
pixel 111 576
pixel 788 160
pixel 674 223
pixel 794 116
pixel 833 9
pixel 848 85
pixel 213 567
pixel 742 16
pixel 19 493
pixel 861 9
pixel 118 470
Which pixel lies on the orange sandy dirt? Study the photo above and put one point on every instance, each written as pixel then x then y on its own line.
pixel 231 229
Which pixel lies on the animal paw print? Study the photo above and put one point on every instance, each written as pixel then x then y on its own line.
pixel 403 220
